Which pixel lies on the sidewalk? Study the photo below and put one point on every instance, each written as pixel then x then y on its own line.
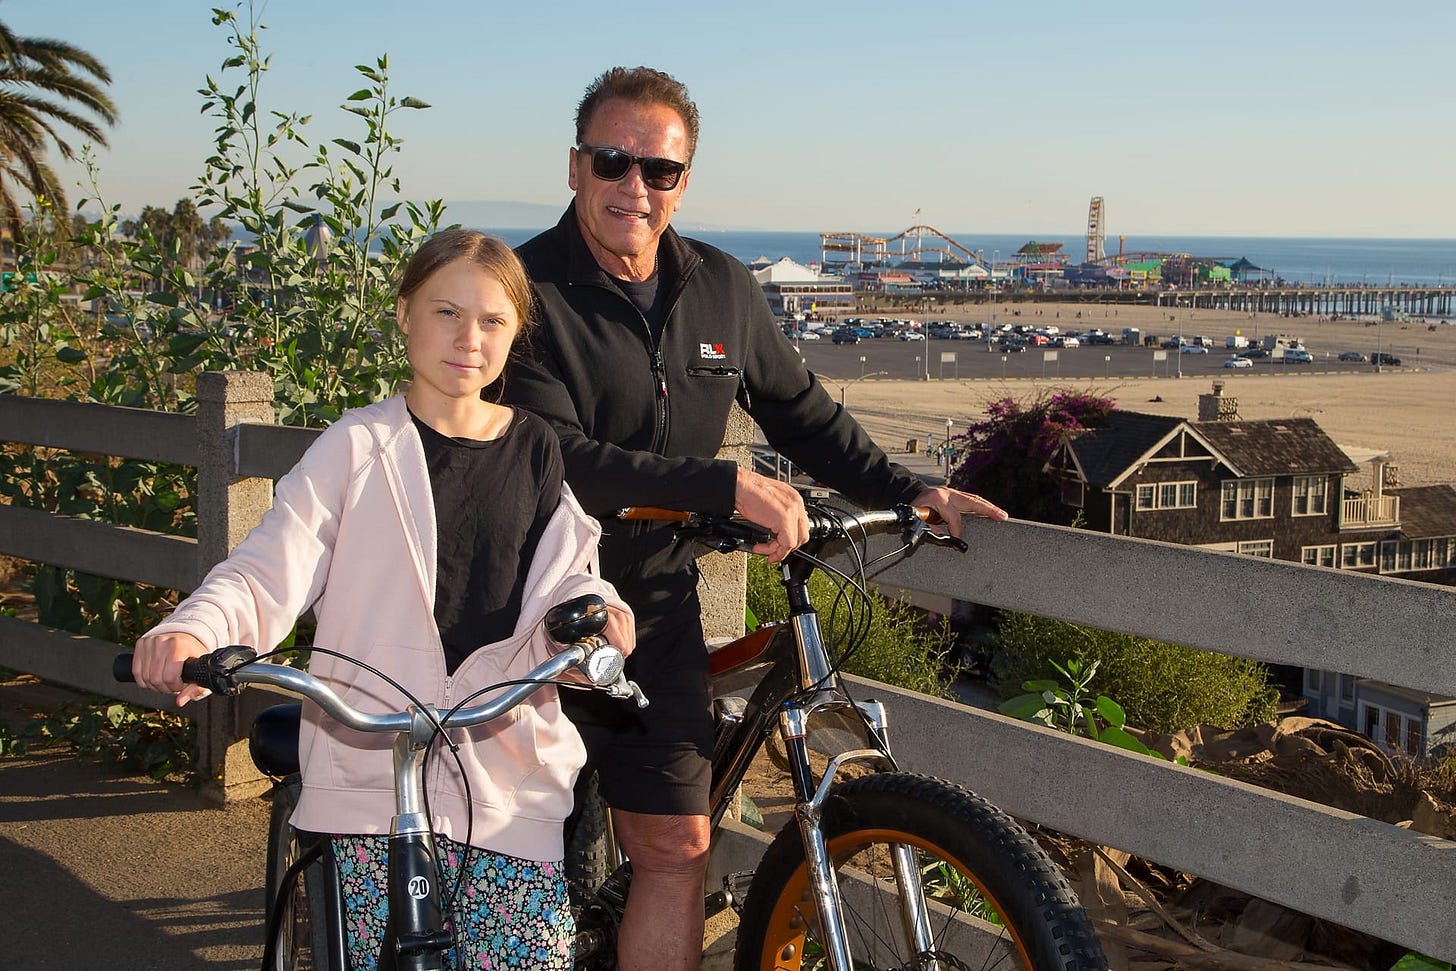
pixel 123 873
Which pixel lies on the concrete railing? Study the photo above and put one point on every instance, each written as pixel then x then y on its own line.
pixel 1377 878
pixel 1358 872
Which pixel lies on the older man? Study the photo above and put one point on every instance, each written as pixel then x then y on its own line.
pixel 647 340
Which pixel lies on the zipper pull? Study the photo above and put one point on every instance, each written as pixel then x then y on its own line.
pixel 660 369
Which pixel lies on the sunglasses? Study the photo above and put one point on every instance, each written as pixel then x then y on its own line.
pixel 612 165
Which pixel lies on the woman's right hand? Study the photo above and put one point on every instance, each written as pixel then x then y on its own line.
pixel 157 664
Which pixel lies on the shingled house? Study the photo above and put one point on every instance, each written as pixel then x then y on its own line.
pixel 1274 488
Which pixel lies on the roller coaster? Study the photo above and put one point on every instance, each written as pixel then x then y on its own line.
pixel 849 248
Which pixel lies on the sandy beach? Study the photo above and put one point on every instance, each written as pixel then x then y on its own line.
pixel 1408 411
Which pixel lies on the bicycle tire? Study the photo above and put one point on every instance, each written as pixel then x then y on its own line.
pixel 588 855
pixel 1043 927
pixel 303 932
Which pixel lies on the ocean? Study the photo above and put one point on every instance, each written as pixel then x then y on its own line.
pixel 1373 262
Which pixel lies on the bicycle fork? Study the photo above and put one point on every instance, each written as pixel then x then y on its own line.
pixel 808 812
pixel 415 939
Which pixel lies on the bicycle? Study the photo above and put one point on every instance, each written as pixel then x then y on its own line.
pixel 908 866
pixel 304 906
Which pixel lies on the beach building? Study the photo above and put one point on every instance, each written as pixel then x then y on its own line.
pixel 1281 489
pixel 793 288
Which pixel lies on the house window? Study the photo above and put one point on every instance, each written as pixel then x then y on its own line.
pixel 1312 680
pixel 1167 495
pixel 1258 547
pixel 1073 492
pixel 1398 556
pixel 1398 733
pixel 1347 688
pixel 1248 499
pixel 1354 556
pixel 1310 495
pixel 1317 555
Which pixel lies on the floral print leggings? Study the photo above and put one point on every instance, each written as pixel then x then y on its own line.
pixel 510 913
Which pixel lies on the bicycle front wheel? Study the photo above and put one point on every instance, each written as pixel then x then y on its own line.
pixel 995 900
pixel 302 940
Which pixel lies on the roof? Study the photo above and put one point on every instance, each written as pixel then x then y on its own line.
pixel 1034 248
pixel 1427 511
pixel 786 271
pixel 1278 446
pixel 1288 446
pixel 1104 453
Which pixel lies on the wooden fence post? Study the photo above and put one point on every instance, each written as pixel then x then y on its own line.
pixel 227 508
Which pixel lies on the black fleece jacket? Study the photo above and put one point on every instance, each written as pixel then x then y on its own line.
pixel 640 423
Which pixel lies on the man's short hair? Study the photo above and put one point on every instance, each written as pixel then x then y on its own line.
pixel 644 86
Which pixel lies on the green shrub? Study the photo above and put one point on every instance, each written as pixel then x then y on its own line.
pixel 1162 687
pixel 900 646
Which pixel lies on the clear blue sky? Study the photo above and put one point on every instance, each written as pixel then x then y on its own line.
pixel 1276 118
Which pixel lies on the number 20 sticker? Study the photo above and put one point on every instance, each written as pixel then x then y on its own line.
pixel 419 888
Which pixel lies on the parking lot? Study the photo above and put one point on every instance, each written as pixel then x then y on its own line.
pixel 954 359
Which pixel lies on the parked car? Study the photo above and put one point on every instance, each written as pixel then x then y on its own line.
pixel 1296 355
pixel 911 335
pixel 845 337
pixel 1380 357
pixel 1254 353
pixel 1351 356
pixel 1014 347
pixel 806 335
pixel 1238 362
pixel 1192 349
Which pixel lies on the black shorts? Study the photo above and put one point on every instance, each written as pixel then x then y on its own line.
pixel 655 760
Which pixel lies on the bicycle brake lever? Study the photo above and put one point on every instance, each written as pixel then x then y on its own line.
pixel 955 543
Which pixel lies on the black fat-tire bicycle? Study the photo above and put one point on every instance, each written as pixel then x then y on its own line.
pixel 888 870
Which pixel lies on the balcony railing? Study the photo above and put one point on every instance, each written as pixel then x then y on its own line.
pixel 1369 511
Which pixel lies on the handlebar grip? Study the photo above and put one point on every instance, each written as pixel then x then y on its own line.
pixel 655 513
pixel 210 670
pixel 121 668
pixel 196 670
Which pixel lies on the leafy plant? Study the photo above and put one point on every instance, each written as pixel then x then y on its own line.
pixel 178 295
pixel 1419 962
pixel 1008 449
pixel 1069 705
pixel 126 737
pixel 1163 687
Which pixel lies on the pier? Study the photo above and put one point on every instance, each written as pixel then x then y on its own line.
pixel 1344 301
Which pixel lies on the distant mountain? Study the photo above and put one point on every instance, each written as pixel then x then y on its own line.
pixel 490 214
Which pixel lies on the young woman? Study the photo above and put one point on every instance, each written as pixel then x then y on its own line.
pixel 430 533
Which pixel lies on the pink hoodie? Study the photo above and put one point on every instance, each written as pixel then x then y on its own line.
pixel 352 533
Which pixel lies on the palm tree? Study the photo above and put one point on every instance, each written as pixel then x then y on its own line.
pixel 42 84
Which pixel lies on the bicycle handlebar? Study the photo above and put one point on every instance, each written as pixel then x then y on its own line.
pixel 726 533
pixel 227 669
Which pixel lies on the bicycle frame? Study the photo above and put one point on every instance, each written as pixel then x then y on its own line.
pixel 799 682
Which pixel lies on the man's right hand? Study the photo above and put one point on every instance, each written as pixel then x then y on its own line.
pixel 776 506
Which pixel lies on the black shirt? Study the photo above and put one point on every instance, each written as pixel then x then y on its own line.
pixel 492 503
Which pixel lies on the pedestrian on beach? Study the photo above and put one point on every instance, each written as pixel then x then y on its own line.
pixel 430 532
pixel 647 339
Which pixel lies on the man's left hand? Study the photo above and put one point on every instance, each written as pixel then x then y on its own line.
pixel 952 504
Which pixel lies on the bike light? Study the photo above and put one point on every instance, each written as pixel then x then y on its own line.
pixel 604 665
